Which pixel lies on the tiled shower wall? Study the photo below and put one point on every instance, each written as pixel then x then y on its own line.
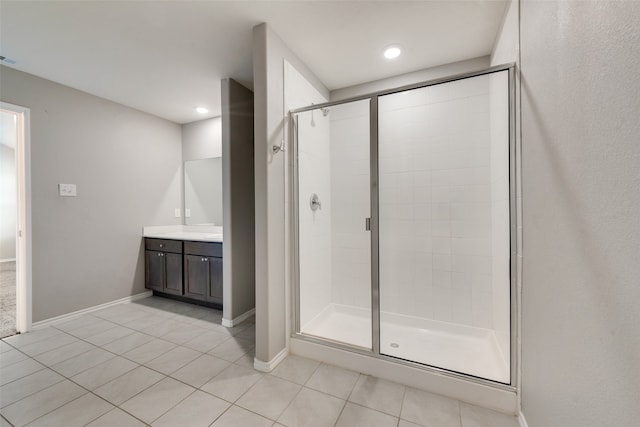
pixel 443 209
pixel 315 168
pixel 435 203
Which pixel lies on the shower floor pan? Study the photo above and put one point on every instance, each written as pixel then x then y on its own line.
pixel 459 348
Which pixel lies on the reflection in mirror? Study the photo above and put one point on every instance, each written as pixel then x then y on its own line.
pixel 203 191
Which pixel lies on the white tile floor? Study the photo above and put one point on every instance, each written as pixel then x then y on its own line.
pixel 165 363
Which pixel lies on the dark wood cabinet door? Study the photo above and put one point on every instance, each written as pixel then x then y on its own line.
pixel 215 280
pixel 196 276
pixel 170 270
pixel 173 273
pixel 154 270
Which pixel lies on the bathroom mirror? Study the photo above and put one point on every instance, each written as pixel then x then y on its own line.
pixel 203 191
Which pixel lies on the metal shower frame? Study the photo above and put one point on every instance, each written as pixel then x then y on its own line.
pixel 375 279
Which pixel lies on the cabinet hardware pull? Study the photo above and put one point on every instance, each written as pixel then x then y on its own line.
pixel 161 245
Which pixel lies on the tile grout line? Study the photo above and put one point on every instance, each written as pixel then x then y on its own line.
pixel 24 376
pixel 91 392
pixel 168 410
pixel 7 421
pixel 347 400
pixel 134 331
pixel 65 404
pixel 31 394
pixel 172 378
pixel 112 404
pixel 231 404
pixel 404 394
pixel 220 416
pixel 294 397
pixel 84 388
pixel 115 355
pixel 164 376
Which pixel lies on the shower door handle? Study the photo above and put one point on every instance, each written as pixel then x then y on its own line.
pixel 367 224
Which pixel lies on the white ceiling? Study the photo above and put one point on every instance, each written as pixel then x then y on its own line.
pixel 166 57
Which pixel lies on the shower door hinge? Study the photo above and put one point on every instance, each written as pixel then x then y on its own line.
pixel 278 148
pixel 367 224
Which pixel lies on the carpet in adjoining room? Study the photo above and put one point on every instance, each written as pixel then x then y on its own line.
pixel 7 299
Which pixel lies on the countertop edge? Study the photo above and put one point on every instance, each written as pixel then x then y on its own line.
pixel 189 238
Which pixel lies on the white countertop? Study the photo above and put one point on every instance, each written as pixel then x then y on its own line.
pixel 202 233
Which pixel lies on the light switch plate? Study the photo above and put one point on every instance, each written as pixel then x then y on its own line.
pixel 67 190
pixel 187 213
pixel 176 212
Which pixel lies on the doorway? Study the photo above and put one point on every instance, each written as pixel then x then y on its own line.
pixel 15 283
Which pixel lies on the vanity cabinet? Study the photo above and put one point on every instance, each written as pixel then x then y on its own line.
pixel 188 269
pixel 203 271
pixel 163 265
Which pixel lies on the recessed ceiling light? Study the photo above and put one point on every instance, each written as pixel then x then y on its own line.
pixel 392 52
pixel 202 110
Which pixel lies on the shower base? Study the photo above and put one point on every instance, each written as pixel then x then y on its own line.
pixel 459 348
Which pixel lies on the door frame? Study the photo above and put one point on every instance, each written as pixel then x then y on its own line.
pixel 23 224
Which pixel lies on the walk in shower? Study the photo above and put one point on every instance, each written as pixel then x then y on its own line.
pixel 403 224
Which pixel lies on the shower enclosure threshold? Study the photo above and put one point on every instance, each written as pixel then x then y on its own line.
pixel 465 349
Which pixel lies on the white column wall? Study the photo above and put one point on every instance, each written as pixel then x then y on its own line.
pixel 314 177
pixel 273 302
pixel 314 226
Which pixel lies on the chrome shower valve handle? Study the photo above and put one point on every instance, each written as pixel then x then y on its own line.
pixel 314 202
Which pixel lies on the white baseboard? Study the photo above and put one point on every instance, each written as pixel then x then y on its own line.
pixel 269 366
pixel 69 316
pixel 233 322
pixel 7 260
pixel 522 420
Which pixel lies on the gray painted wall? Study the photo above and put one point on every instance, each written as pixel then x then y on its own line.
pixel 126 165
pixel 419 76
pixel 238 199
pixel 581 195
pixel 269 52
pixel 507 44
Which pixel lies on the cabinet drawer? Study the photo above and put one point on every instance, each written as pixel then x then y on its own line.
pixel 162 245
pixel 203 248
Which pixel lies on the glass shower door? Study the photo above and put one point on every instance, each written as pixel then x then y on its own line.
pixel 444 225
pixel 332 164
